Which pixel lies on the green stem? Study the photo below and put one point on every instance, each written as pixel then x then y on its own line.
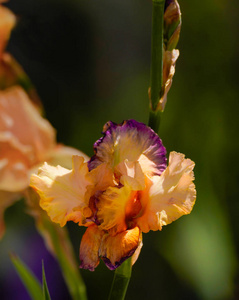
pixel 62 249
pixel 121 280
pixel 59 245
pixel 154 120
pixel 156 73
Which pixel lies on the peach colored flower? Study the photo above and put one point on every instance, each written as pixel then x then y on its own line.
pixel 126 189
pixel 26 141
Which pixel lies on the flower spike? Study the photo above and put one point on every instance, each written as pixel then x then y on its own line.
pixel 171 32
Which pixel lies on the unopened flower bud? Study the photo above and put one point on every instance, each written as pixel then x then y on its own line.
pixel 172 24
pixel 172 27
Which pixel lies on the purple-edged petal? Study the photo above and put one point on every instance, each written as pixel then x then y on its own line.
pixel 89 248
pixel 114 250
pixel 132 141
pixel 168 196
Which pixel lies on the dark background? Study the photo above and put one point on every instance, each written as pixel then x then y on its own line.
pixel 89 61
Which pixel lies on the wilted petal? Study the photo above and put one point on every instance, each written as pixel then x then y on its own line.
pixel 170 195
pixel 130 141
pixel 169 62
pixel 172 24
pixel 89 248
pixel 63 192
pixel 114 250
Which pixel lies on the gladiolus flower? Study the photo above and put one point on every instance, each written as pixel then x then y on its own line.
pixel 26 141
pixel 126 189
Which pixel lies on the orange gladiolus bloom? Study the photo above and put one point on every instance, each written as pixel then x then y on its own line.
pixel 124 190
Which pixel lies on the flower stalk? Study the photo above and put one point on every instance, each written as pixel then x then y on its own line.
pixel 64 253
pixel 166 27
pixel 154 119
pixel 59 245
pixel 121 280
pixel 156 73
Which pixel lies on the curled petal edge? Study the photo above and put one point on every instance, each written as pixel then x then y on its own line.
pixel 61 195
pixel 170 196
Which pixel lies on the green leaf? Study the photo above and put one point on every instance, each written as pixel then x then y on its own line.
pixel 30 282
pixel 46 294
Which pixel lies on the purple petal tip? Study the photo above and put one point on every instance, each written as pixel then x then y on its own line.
pixel 150 142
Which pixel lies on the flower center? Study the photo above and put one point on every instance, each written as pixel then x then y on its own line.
pixel 133 209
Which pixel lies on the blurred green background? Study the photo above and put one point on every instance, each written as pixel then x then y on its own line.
pixel 89 61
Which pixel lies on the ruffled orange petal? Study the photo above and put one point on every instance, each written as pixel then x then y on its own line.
pixel 130 173
pixel 114 250
pixel 170 195
pixel 112 208
pixel 103 177
pixel 89 248
pixel 63 193
pixel 119 204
